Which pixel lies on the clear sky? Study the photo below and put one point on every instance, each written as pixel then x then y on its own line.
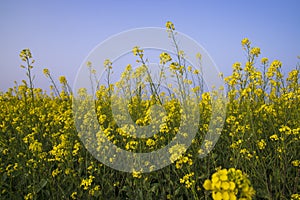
pixel 60 34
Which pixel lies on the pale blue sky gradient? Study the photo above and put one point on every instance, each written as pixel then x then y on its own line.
pixel 60 34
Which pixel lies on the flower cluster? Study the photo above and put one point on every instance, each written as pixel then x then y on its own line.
pixel 164 58
pixel 229 184
pixel 188 180
pixel 170 26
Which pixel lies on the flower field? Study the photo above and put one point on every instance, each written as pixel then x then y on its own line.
pixel 43 144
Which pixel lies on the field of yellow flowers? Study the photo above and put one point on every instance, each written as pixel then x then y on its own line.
pixel 44 155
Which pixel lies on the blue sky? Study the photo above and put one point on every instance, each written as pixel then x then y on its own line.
pixel 60 34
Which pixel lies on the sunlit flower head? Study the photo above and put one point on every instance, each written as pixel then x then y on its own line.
pixel 170 25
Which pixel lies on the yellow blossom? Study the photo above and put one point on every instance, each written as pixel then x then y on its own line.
pixel 170 25
pixel 245 42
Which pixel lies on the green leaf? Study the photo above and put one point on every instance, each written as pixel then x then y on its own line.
pixel 154 187
pixel 177 191
pixel 41 185
pixel 4 177
pixel 141 194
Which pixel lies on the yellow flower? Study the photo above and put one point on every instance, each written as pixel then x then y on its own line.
pixel 35 146
pixel 276 64
pixel 62 80
pixel 187 180
pixel 46 72
pixel 223 175
pixel 261 144
pixel 295 197
pixel 29 196
pixel 116 184
pixel 245 42
pixel 137 51
pixel 136 174
pixel 225 195
pixel 176 151
pixel 89 64
pixel 87 182
pixel 196 71
pixel 92 191
pixel 107 62
pixel 174 66
pixel 207 184
pixel 25 54
pixel 76 148
pixel 237 66
pixel 264 61
pixel 225 185
pixel 255 51
pixel 232 196
pixel 217 195
pixel 131 145
pixel 68 171
pixel 274 137
pixel 170 26
pixel 164 58
pixel 232 185
pixel 56 172
pixel 199 56
pixel 128 68
pixel 296 163
pixel 150 142
pixel 285 129
pixel 73 195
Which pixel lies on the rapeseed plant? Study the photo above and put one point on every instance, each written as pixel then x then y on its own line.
pixel 43 155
